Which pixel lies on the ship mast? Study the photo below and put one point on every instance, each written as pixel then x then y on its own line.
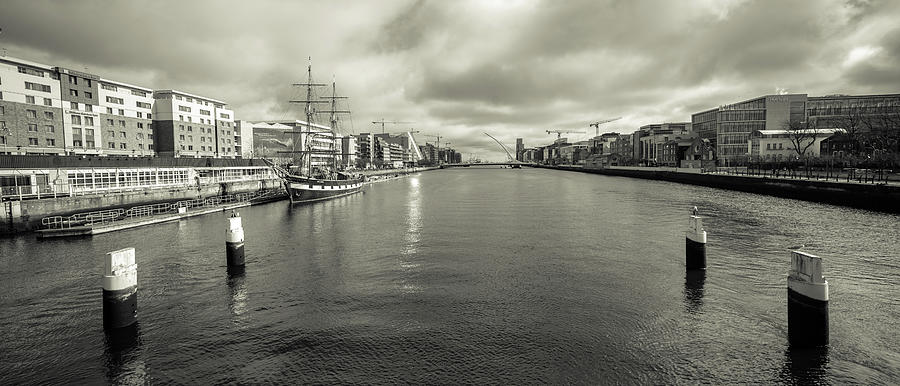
pixel 334 120
pixel 310 113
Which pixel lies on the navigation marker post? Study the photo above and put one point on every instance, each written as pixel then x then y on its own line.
pixel 695 243
pixel 807 301
pixel 119 289
pixel 234 241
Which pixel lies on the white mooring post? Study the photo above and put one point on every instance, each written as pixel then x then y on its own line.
pixel 234 241
pixel 807 301
pixel 695 243
pixel 119 289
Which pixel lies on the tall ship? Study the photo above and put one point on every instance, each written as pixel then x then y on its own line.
pixel 315 173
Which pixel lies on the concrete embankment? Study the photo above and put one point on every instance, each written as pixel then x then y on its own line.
pixel 26 215
pixel 884 198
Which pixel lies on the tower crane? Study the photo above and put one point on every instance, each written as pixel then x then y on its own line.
pixel 559 133
pixel 382 122
pixel 600 122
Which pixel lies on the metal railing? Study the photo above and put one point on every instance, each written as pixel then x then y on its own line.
pixel 111 215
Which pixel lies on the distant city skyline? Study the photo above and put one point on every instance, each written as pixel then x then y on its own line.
pixel 510 68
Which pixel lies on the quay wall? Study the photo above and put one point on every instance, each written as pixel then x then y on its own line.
pixel 26 215
pixel 883 198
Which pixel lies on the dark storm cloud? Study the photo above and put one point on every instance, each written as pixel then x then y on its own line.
pixel 882 69
pixel 514 68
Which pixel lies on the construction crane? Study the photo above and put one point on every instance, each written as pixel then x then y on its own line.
pixel 437 144
pixel 559 133
pixel 598 123
pixel 382 122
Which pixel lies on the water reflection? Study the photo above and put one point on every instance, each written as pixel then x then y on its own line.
pixel 122 356
pixel 411 239
pixel 805 366
pixel 693 290
pixel 238 291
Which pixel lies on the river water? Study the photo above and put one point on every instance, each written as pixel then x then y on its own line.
pixel 469 275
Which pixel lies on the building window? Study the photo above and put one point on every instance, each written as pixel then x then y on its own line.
pixel 140 114
pixel 50 128
pixel 76 120
pixel 76 143
pixel 138 93
pixel 140 135
pixel 88 107
pixel 181 137
pixel 108 87
pixel 73 105
pixel 37 87
pixel 2 110
pixel 123 145
pixel 122 123
pixel 89 121
pixel 191 138
pixel 204 112
pixel 140 125
pixel 143 105
pixel 109 110
pixel 178 97
pixel 190 147
pixel 110 122
pixel 73 93
pixel 115 100
pixel 29 99
pixel 89 144
pixel 88 94
pixel 32 127
pixel 88 82
pixel 184 108
pixel 76 132
pixel 190 128
pixel 181 127
pixel 182 147
pixel 148 114
pixel 51 142
pixel 31 113
pixel 73 79
pixel 111 145
pixel 189 118
pixel 31 71
pixel 48 102
pixel 122 134
pixel 121 112
pixel 48 114
pixel 32 141
pixel 2 140
pixel 89 133
pixel 112 134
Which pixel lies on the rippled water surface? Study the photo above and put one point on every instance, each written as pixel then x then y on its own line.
pixel 464 276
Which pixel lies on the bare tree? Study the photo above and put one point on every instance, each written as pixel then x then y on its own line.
pixel 852 122
pixel 802 135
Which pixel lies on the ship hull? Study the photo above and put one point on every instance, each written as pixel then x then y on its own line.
pixel 318 190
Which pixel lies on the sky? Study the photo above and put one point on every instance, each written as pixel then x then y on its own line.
pixel 460 68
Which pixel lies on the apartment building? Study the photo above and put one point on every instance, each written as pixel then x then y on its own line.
pixel 31 111
pixel 188 125
pixel 125 120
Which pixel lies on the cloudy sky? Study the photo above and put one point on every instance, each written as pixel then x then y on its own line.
pixel 459 68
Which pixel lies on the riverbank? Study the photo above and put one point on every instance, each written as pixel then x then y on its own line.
pixel 882 198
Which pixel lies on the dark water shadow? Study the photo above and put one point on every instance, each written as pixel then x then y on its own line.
pixel 805 366
pixel 122 348
pixel 694 281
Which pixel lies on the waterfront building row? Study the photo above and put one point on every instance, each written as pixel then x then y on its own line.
pixel 54 110
pixel 738 133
